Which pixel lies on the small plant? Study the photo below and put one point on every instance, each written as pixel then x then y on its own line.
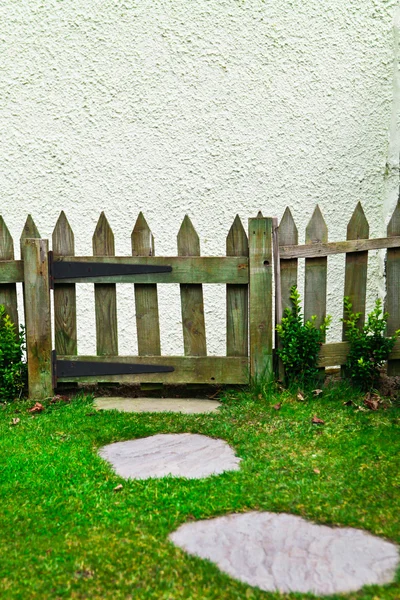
pixel 301 343
pixel 12 368
pixel 369 348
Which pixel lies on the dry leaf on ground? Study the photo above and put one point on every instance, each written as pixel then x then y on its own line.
pixel 372 401
pixel 37 408
pixel 277 406
pixel 118 488
pixel 317 471
pixel 317 421
pixel 15 421
pixel 300 397
pixel 317 392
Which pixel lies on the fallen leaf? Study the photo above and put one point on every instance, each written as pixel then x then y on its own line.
pixel 317 421
pixel 317 392
pixel 300 397
pixel 84 574
pixel 15 421
pixel 372 401
pixel 37 408
pixel 260 396
pixel 277 406
pixel 59 398
pixel 348 403
pixel 118 488
pixel 317 471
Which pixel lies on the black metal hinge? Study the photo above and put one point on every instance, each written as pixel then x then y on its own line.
pixel 80 368
pixel 78 270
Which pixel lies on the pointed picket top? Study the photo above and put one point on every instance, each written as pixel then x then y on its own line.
pixel 393 228
pixel 236 241
pixel 288 234
pixel 103 238
pixel 30 230
pixel 6 242
pixel 316 230
pixel 142 238
pixel 63 237
pixel 188 240
pixel 259 215
pixel 358 227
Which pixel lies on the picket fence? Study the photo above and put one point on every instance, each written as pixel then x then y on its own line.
pixel 246 270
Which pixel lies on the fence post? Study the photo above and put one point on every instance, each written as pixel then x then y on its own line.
pixel 37 317
pixel 260 314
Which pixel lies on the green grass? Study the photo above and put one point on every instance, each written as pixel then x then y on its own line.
pixel 66 534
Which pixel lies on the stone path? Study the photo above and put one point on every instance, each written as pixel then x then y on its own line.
pixel 181 455
pixel 281 552
pixel 182 405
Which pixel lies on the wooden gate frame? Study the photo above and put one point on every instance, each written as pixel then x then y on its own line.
pixel 245 277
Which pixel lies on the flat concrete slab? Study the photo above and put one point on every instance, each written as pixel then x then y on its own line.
pixel 285 553
pixel 188 406
pixel 179 454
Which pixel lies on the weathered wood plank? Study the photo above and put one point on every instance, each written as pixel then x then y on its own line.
pixel 214 370
pixel 105 293
pixel 316 271
pixel 355 281
pixel 64 293
pixel 193 325
pixel 146 299
pixel 11 271
pixel 37 318
pixel 260 297
pixel 288 235
pixel 237 319
pixel 336 354
pixel 8 291
pixel 315 250
pixel 29 231
pixel 185 269
pixel 393 287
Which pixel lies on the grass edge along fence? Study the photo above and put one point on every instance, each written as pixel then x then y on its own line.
pixel 246 270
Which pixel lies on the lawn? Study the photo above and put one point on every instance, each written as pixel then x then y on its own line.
pixel 65 532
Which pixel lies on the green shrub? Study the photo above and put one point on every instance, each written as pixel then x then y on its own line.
pixel 13 373
pixel 369 348
pixel 300 343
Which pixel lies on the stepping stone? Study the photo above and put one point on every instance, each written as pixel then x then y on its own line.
pixel 188 406
pixel 285 553
pixel 179 454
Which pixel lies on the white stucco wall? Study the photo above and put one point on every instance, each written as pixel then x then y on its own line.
pixel 211 108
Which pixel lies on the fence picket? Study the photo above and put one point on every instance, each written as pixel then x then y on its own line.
pixel 237 296
pixel 146 299
pixel 260 297
pixel 8 291
pixel 194 331
pixel 393 286
pixel 105 293
pixel 355 282
pixel 316 270
pixel 288 236
pixel 29 231
pixel 65 293
pixel 38 317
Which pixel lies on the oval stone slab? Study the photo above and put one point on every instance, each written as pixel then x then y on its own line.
pixel 281 552
pixel 179 454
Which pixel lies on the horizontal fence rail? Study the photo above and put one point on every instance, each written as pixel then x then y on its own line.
pixel 318 249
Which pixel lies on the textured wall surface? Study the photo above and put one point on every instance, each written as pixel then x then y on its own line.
pixel 209 108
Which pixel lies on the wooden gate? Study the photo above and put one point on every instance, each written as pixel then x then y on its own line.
pixel 246 271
